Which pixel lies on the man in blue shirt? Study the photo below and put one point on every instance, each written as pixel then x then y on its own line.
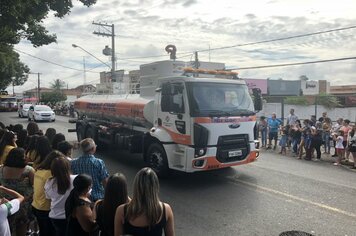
pixel 273 125
pixel 92 166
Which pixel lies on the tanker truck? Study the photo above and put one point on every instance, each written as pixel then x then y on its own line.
pixel 181 118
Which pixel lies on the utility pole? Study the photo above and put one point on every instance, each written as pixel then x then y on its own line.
pixel 111 30
pixel 85 72
pixel 196 63
pixel 38 88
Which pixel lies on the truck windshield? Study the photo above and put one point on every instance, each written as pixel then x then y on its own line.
pixel 219 99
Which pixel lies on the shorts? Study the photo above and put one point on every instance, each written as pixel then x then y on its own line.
pixel 273 135
pixel 344 143
pixel 339 151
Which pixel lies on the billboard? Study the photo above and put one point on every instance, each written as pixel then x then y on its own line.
pixel 283 87
pixel 310 87
pixel 257 83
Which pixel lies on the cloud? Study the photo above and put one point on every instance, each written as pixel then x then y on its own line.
pixel 145 27
pixel 184 3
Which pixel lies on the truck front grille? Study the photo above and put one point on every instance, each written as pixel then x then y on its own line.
pixel 233 148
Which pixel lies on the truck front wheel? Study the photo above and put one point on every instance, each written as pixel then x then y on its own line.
pixel 156 158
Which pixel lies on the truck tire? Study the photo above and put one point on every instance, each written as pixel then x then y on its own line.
pixel 156 158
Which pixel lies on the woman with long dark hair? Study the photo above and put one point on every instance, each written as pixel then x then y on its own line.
pixel 145 214
pixel 40 204
pixel 7 142
pixel 21 138
pixel 115 195
pixel 57 189
pixel 50 133
pixel 17 175
pixel 78 208
pixel 30 152
pixel 43 148
pixel 32 128
pixel 59 137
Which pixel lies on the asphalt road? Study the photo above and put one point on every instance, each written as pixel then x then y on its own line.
pixel 275 194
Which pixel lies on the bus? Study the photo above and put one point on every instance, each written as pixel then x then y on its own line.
pixel 7 102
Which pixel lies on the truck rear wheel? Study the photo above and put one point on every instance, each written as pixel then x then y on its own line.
pixel 156 158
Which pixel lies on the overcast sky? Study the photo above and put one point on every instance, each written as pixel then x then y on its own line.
pixel 144 27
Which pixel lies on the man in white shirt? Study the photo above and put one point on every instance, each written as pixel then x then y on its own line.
pixel 8 208
pixel 292 118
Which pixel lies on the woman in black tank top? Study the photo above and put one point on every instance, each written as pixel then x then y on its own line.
pixel 145 214
pixel 115 195
pixel 78 208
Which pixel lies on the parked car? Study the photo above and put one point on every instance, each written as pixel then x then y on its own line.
pixel 41 113
pixel 23 110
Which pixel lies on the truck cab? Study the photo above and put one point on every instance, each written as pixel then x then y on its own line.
pixel 204 122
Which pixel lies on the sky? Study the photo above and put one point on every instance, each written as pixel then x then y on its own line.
pixel 143 28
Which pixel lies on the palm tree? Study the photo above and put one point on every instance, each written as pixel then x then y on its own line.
pixel 58 85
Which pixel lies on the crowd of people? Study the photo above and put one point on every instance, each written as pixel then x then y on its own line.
pixel 46 192
pixel 306 139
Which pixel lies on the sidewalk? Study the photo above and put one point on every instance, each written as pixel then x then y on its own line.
pixel 324 157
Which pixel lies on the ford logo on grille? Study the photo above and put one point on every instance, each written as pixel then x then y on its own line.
pixel 234 126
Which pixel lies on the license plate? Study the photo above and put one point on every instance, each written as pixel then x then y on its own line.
pixel 235 153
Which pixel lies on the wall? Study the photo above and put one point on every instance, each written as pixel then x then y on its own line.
pixel 304 112
pixel 283 87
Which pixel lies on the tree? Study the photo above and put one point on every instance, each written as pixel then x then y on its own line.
pixel 296 100
pixel 58 85
pixel 53 97
pixel 327 100
pixel 303 77
pixel 12 71
pixel 23 20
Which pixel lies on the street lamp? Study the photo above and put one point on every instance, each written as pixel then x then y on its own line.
pixel 76 46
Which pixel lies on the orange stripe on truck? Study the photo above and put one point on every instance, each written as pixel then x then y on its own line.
pixel 123 108
pixel 232 119
pixel 179 138
pixel 213 163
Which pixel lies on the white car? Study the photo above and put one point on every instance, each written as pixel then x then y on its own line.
pixel 23 110
pixel 41 113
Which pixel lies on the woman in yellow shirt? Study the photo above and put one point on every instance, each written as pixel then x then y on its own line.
pixel 40 204
pixel 8 142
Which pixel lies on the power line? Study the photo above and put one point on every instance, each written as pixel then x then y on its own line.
pixel 50 62
pixel 278 39
pixel 295 64
pixel 68 77
pixel 250 43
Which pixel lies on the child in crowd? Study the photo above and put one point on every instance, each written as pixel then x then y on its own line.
pixel 284 139
pixel 339 147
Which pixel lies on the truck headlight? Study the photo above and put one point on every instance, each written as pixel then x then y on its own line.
pixel 200 152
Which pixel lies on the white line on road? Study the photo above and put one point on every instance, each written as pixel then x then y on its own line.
pixel 265 189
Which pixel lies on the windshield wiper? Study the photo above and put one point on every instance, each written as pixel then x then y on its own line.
pixel 243 112
pixel 218 113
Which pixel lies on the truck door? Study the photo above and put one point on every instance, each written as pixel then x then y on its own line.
pixel 173 115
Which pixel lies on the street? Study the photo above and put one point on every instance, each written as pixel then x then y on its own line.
pixel 275 194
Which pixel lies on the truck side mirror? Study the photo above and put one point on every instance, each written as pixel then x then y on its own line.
pixel 257 99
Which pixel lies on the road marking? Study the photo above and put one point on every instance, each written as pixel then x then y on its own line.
pixel 320 205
